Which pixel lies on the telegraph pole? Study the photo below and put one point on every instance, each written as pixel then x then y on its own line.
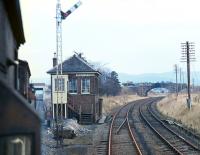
pixel 188 73
pixel 176 72
pixel 188 55
pixel 180 79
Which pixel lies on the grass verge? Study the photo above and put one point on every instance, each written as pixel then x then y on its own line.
pixel 176 107
pixel 112 102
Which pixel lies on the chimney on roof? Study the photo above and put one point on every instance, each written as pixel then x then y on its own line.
pixel 55 60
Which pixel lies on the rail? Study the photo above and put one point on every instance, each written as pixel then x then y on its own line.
pixel 164 131
pixel 136 146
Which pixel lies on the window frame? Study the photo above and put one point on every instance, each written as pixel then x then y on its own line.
pixel 12 141
pixel 75 87
pixel 58 81
pixel 89 85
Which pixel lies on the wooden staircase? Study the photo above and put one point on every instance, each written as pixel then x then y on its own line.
pixel 86 119
pixel 72 113
pixel 82 118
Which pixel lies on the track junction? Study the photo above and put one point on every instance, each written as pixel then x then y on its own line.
pixel 138 128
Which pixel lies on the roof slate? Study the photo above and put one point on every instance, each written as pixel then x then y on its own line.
pixel 74 64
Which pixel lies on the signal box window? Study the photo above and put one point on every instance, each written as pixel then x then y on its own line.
pixel 73 86
pixel 85 86
pixel 59 84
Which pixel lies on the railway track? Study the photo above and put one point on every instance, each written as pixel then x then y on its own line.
pixel 177 127
pixel 149 143
pixel 136 128
pixel 176 142
pixel 121 139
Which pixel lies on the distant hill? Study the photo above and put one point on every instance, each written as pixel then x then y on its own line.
pixel 157 77
pixel 148 77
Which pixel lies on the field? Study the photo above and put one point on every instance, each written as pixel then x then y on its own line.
pixel 112 102
pixel 176 107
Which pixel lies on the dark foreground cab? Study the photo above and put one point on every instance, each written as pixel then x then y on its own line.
pixel 19 124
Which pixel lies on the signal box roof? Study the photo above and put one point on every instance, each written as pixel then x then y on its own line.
pixel 75 64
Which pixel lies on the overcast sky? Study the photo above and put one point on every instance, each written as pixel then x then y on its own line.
pixel 128 36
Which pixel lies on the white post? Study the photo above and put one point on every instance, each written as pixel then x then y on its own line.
pixel 65 111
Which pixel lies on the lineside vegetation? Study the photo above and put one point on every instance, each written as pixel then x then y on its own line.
pixel 176 108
